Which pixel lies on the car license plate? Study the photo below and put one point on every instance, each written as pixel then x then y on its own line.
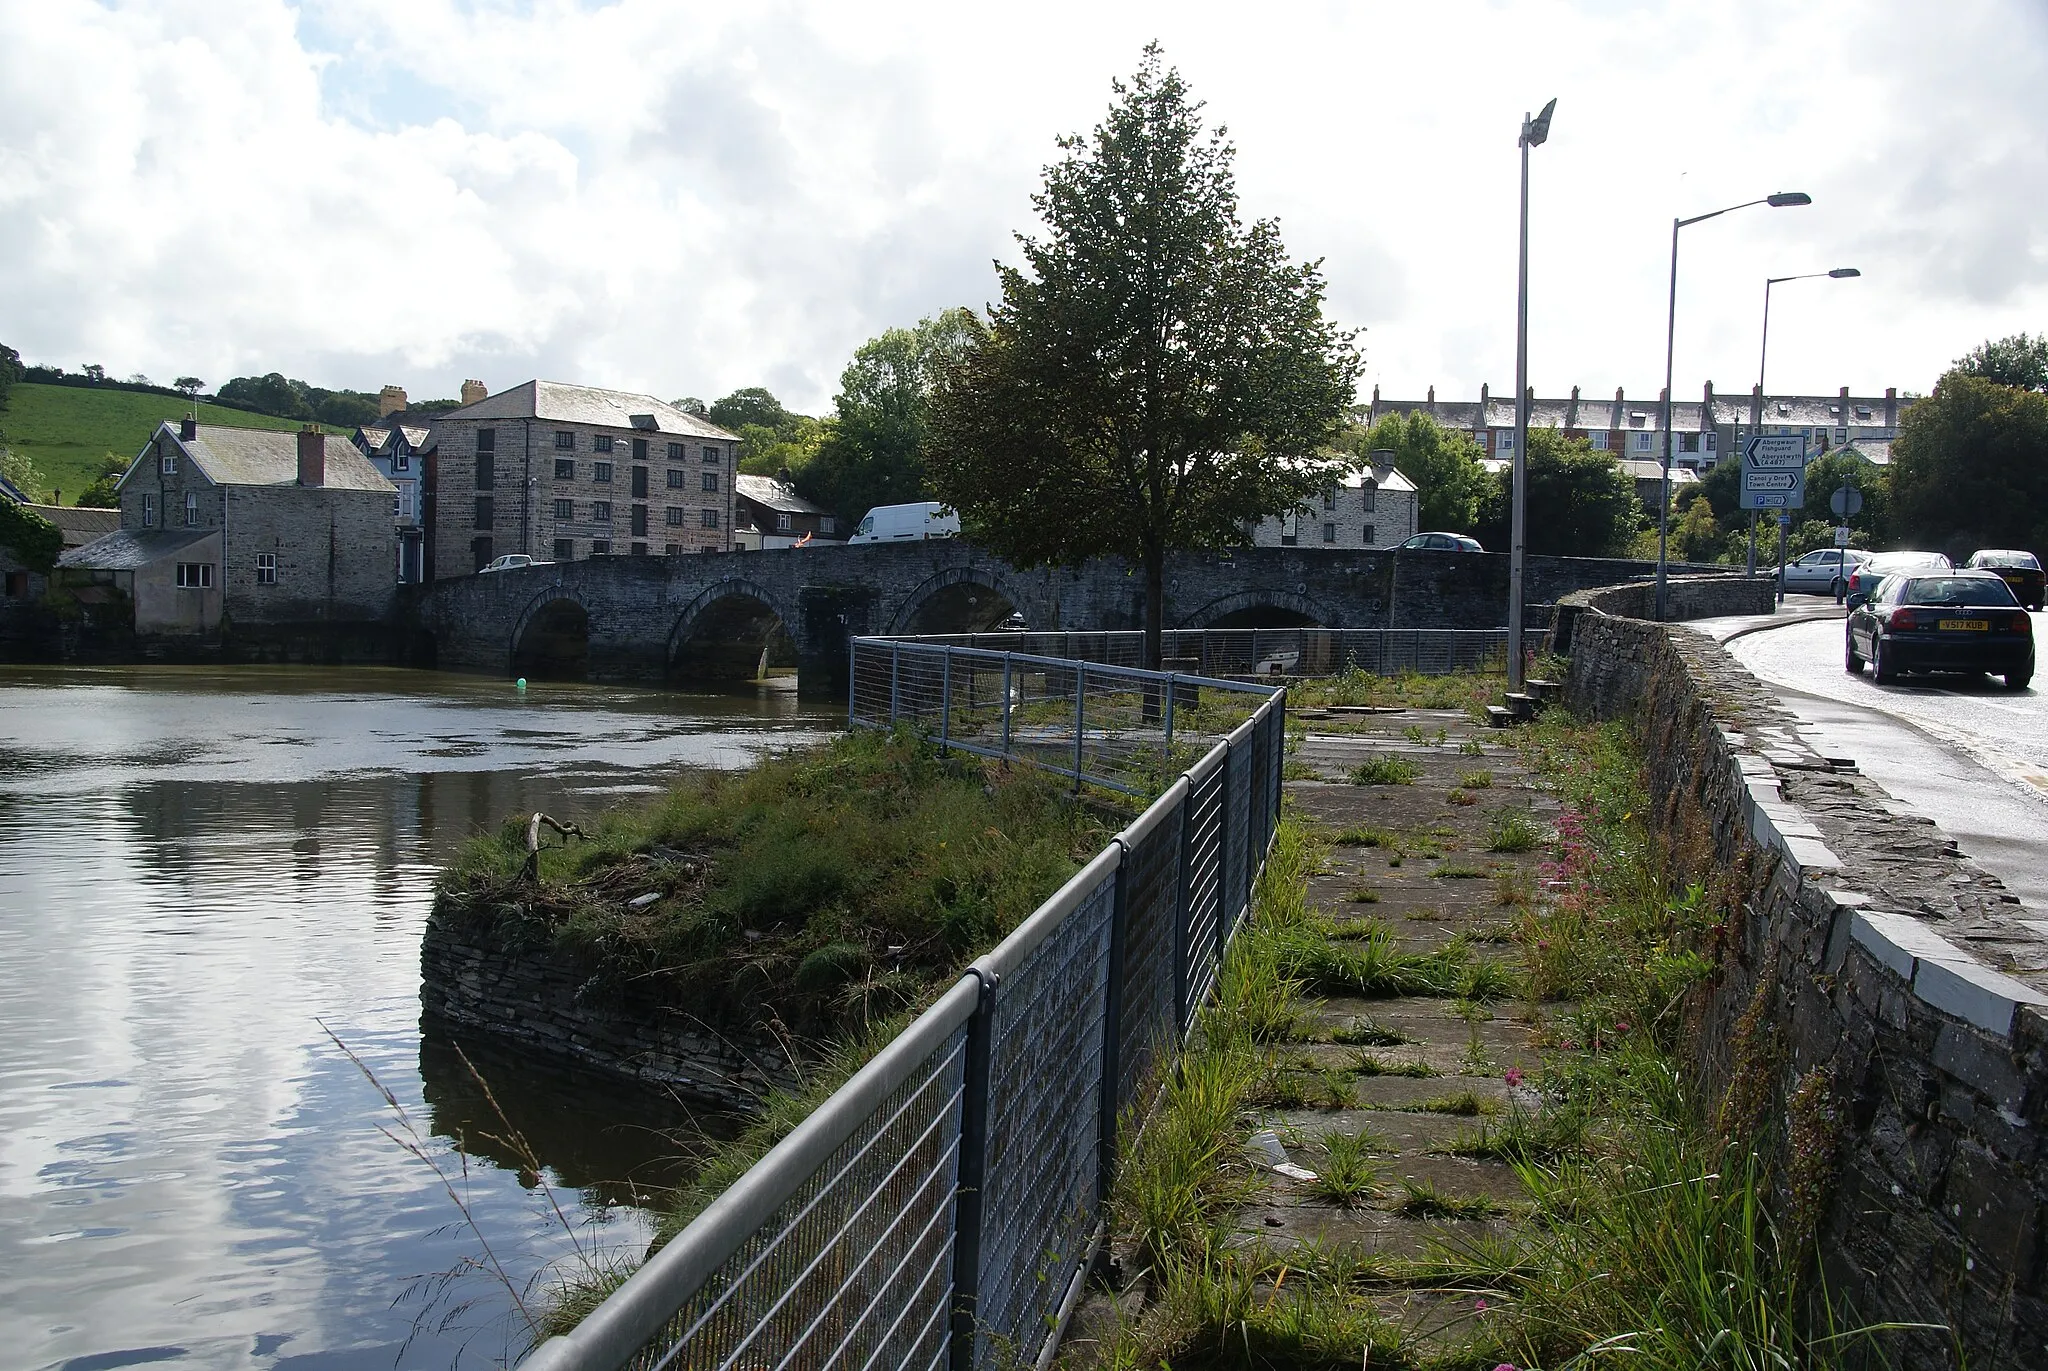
pixel 1966 625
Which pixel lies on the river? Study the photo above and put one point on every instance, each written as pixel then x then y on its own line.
pixel 205 873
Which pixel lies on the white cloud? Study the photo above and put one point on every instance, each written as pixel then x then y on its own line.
pixel 690 198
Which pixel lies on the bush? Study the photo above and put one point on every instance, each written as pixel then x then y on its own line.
pixel 34 540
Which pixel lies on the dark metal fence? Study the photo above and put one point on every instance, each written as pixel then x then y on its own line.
pixel 941 1208
pixel 1270 651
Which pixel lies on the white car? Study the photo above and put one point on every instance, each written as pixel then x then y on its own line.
pixel 513 561
pixel 1824 571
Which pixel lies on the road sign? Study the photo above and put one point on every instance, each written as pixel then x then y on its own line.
pixel 1775 451
pixel 1766 499
pixel 1846 501
pixel 1760 481
pixel 1841 537
pixel 1774 471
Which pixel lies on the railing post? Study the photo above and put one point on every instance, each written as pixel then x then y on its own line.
pixel 1171 677
pixel 1080 707
pixel 1006 704
pixel 1183 907
pixel 967 1206
pixel 852 679
pixel 945 697
pixel 1223 910
pixel 895 675
pixel 1112 1027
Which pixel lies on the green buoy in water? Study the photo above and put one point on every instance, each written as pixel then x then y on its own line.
pixel 521 683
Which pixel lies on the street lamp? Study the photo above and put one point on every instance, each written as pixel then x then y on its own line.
pixel 1781 200
pixel 1534 131
pixel 1763 351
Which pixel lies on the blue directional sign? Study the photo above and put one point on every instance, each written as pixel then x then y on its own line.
pixel 1774 471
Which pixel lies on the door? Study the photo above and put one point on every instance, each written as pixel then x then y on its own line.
pixel 639 483
pixel 639 511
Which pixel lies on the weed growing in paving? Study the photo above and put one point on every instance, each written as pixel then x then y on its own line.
pixel 1385 771
pixel 1512 886
pixel 1422 1200
pixel 1472 747
pixel 1464 1103
pixel 1454 871
pixel 1463 798
pixel 1364 894
pixel 1521 1137
pixel 1512 830
pixel 1460 690
pixel 1346 1173
pixel 1364 837
pixel 1370 1064
pixel 1476 780
pixel 1369 1033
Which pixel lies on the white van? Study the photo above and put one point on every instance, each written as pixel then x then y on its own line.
pixel 907 523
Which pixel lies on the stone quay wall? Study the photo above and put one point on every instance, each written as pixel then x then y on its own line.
pixel 1877 1020
pixel 540 1001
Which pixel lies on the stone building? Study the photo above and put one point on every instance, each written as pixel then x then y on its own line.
pixel 1703 430
pixel 75 524
pixel 768 513
pixel 562 472
pixel 398 442
pixel 250 526
pixel 1371 507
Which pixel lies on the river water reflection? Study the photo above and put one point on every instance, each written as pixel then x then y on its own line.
pixel 199 869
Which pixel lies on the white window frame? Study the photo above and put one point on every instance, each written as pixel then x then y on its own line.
pixel 195 575
pixel 169 465
pixel 266 568
pixel 191 509
pixel 148 510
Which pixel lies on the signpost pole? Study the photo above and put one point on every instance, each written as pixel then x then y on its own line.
pixel 1784 519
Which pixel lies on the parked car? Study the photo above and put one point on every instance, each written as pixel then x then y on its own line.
pixel 512 561
pixel 1824 571
pixel 2021 570
pixel 1952 620
pixel 907 523
pixel 1441 542
pixel 1864 580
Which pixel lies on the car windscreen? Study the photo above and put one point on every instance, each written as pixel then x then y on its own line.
pixel 2019 561
pixel 1957 590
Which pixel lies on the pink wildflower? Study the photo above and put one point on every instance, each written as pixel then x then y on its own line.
pixel 1621 1028
pixel 1481 1306
pixel 1514 1076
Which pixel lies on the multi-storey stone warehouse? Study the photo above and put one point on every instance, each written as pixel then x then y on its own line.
pixel 561 472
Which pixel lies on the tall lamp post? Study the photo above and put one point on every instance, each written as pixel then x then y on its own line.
pixel 1763 351
pixel 1781 200
pixel 1534 131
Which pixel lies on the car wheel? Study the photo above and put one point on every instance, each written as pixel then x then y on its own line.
pixel 1881 668
pixel 2017 680
pixel 1852 661
pixel 1835 589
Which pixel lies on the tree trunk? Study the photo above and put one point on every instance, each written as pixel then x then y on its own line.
pixel 1155 609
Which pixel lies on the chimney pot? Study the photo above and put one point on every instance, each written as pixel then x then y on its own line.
pixel 188 429
pixel 1618 402
pixel 312 456
pixel 1432 397
pixel 1845 392
pixel 390 400
pixel 473 391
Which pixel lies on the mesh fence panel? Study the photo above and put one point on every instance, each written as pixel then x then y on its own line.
pixel 1277 651
pixel 1237 796
pixel 1045 1074
pixel 855 1268
pixel 1151 876
pixel 1204 896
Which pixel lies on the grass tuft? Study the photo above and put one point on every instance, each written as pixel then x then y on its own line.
pixel 1476 780
pixel 1422 1200
pixel 1347 1172
pixel 1512 830
pixel 1385 771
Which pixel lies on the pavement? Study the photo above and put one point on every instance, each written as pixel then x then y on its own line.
pixel 1961 751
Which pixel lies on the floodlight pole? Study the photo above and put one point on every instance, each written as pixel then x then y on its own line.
pixel 1534 131
pixel 1764 351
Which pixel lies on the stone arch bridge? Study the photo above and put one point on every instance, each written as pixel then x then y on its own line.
pixel 716 617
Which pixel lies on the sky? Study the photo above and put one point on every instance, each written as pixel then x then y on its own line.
pixel 684 199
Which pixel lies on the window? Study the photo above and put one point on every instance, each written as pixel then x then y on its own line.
pixel 484 511
pixel 148 511
pixel 1711 437
pixel 565 468
pixel 600 511
pixel 565 549
pixel 169 464
pixel 487 440
pixel 711 481
pixel 639 549
pixel 195 575
pixel 1504 442
pixel 709 518
pixel 675 480
pixel 1841 435
pixel 401 460
pixel 601 443
pixel 781 522
pixel 675 452
pixel 1688 442
pixel 565 442
pixel 1329 533
pixel 711 455
pixel 1371 495
pixel 673 516
pixel 565 510
pixel 828 525
pixel 266 568
pixel 639 483
pixel 1288 522
pixel 1598 438
pixel 1642 442
pixel 639 449
pixel 486 470
pixel 601 472
pixel 640 522
pixel 1371 535
pixel 191 509
pixel 673 549
pixel 600 547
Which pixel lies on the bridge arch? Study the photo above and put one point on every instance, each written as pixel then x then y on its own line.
pixel 960 599
pixel 1267 608
pixel 728 631
pixel 551 637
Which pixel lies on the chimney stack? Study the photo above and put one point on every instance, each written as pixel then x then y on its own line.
pixel 1891 406
pixel 188 429
pixel 313 456
pixel 473 391
pixel 390 400
pixel 1432 399
pixel 1617 397
pixel 1375 401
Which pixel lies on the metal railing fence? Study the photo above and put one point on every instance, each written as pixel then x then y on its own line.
pixel 1107 725
pixel 941 1208
pixel 1268 651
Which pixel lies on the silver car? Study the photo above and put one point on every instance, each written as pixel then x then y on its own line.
pixel 1824 571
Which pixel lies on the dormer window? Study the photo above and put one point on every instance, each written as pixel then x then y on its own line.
pixel 1637 419
pixel 1863 411
pixel 1784 408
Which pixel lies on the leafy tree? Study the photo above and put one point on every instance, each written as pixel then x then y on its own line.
pixel 188 385
pixel 2016 361
pixel 769 452
pixel 10 369
pixel 33 539
pixel 105 492
pixel 342 408
pixel 1580 502
pixel 268 394
pixel 1158 375
pixel 1825 475
pixel 21 471
pixel 1695 534
pixel 1970 468
pixel 690 404
pixel 875 453
pixel 1443 463
pixel 95 373
pixel 748 405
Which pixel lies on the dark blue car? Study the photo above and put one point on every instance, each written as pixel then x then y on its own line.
pixel 1966 621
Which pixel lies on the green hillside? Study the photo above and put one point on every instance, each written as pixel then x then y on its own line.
pixel 67 431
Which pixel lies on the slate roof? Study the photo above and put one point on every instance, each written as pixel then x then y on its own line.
pixel 80 525
pixel 267 457
pixel 1654 471
pixel 1876 451
pixel 589 405
pixel 129 549
pixel 13 491
pixel 770 493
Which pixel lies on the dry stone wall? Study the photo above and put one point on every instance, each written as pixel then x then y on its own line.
pixel 1877 1022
